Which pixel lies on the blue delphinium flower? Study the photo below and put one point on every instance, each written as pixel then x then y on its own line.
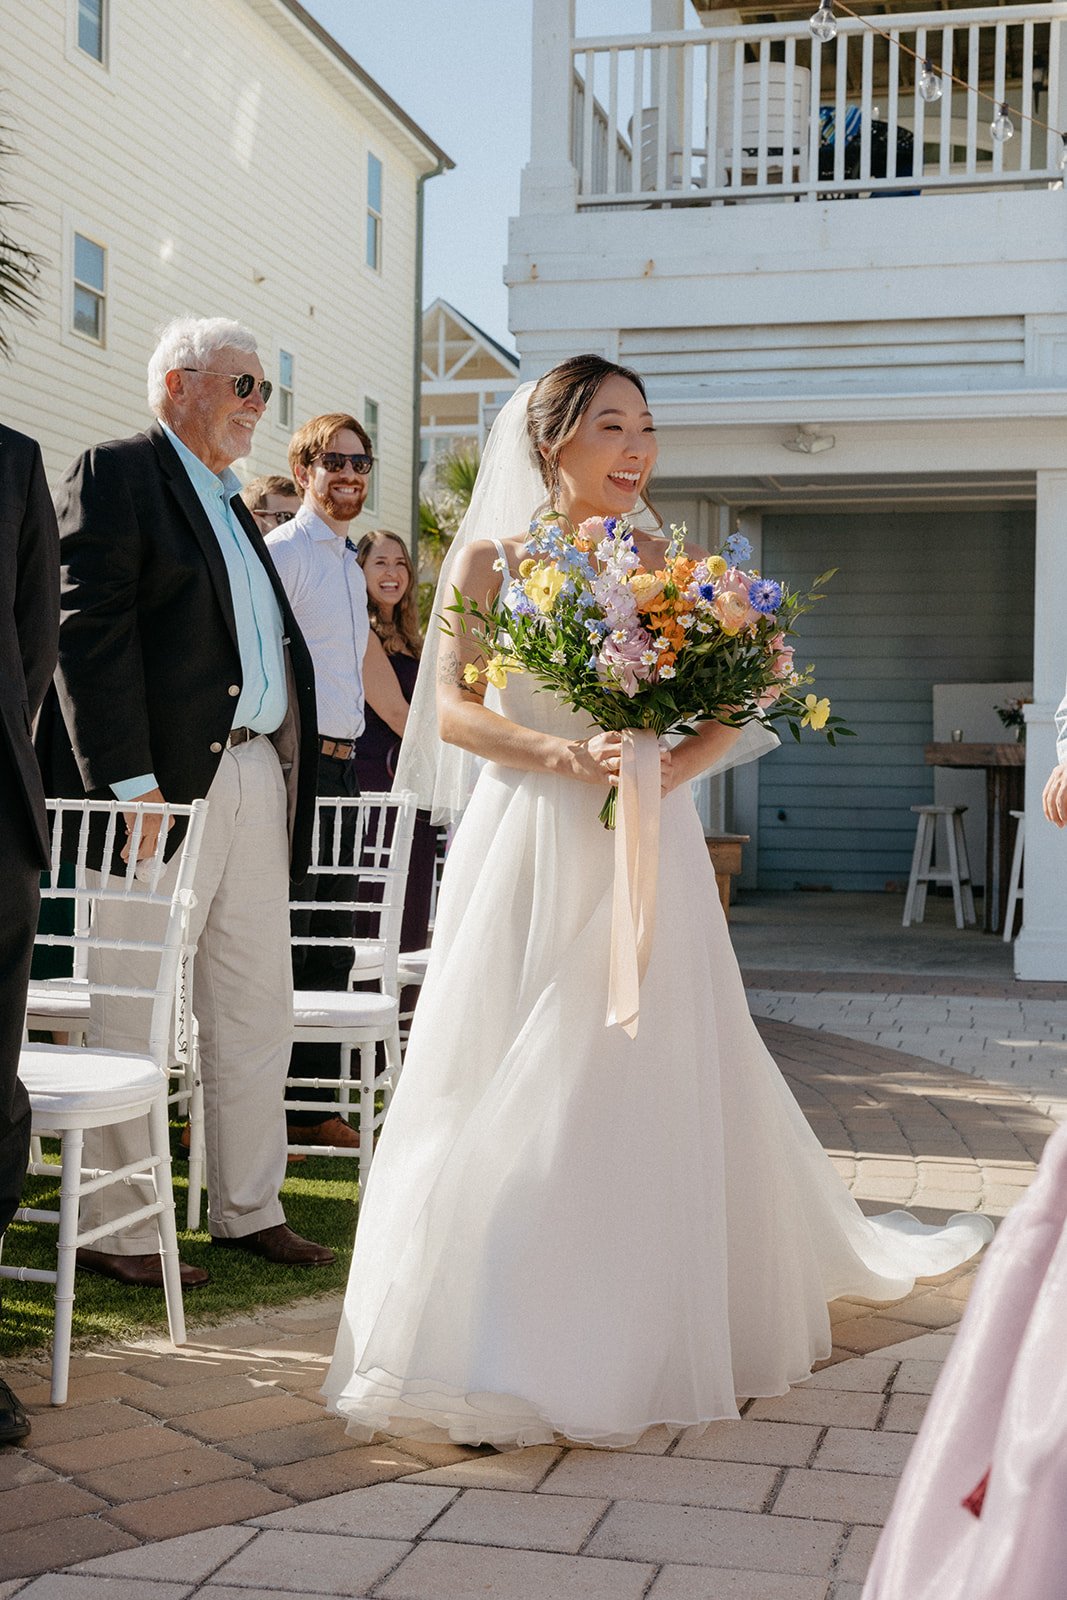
pixel 707 591
pixel 765 595
pixel 610 524
pixel 738 549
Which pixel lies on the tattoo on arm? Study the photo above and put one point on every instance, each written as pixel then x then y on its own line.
pixel 449 669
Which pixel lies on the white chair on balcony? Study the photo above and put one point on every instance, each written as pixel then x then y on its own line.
pixel 72 1087
pixel 366 841
pixel 786 130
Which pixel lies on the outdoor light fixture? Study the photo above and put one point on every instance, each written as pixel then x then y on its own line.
pixel 1002 127
pixel 824 24
pixel 810 440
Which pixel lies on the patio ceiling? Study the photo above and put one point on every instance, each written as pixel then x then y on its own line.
pixel 857 492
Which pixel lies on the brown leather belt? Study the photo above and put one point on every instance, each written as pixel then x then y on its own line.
pixel 240 736
pixel 339 749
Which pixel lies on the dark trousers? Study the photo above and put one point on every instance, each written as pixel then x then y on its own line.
pixel 19 886
pixel 323 966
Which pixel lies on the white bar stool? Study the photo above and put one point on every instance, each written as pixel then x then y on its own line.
pixel 957 873
pixel 1015 890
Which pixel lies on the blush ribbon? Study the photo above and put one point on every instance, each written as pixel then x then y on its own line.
pixel 633 911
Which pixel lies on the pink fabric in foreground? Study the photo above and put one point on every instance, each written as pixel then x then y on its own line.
pixel 1000 1404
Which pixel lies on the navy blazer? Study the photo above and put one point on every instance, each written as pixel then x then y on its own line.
pixel 29 611
pixel 149 668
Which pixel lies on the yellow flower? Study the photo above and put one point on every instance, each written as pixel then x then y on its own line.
pixel 496 671
pixel 716 566
pixel 646 587
pixel 470 673
pixel 816 714
pixel 543 586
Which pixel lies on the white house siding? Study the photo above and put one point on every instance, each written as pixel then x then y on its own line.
pixel 918 600
pixel 222 160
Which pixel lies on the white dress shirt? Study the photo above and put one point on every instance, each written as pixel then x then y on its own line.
pixel 328 594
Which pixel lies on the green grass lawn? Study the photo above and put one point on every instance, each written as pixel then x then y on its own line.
pixel 319 1197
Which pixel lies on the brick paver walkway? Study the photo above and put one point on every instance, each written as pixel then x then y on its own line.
pixel 206 1471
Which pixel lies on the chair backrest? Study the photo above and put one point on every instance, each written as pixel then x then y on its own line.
pixel 86 831
pixel 365 842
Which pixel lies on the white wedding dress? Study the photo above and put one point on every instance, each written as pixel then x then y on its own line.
pixel 567 1231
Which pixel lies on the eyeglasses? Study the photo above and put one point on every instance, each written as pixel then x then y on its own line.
pixel 243 382
pixel 274 519
pixel 334 461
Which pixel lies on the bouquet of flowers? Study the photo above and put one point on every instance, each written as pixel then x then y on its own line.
pixel 662 650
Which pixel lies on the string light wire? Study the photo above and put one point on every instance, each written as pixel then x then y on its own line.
pixel 1000 107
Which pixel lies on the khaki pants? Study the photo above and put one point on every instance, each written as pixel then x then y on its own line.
pixel 242 997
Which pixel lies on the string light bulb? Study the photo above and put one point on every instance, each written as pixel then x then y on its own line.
pixel 930 85
pixel 1002 127
pixel 824 24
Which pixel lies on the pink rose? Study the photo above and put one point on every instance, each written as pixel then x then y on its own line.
pixel 621 664
pixel 781 656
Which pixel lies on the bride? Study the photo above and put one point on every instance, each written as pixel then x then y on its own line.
pixel 566 1230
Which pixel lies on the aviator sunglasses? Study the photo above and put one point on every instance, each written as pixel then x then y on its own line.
pixel 334 461
pixel 243 382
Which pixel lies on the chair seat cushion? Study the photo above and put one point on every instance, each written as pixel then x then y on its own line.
pixel 55 1000
pixel 412 968
pixel 325 1008
pixel 64 1078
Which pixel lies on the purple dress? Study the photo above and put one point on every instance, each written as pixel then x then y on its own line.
pixel 377 751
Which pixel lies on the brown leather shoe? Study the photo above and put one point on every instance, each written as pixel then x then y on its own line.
pixel 333 1131
pixel 143 1272
pixel 281 1246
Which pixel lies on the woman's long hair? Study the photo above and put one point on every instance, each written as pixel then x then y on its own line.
pixel 401 635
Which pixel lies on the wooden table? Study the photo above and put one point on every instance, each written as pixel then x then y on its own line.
pixel 725 852
pixel 1005 774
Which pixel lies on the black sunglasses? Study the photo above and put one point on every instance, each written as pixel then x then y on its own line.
pixel 274 518
pixel 243 382
pixel 334 461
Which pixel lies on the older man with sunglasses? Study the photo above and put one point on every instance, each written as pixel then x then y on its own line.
pixel 183 674
pixel 331 461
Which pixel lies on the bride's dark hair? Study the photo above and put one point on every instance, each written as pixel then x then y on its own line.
pixel 557 405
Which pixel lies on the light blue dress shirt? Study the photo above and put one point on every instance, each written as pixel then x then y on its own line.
pixel 263 700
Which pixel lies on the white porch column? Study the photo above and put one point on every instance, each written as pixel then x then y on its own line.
pixel 549 181
pixel 1041 948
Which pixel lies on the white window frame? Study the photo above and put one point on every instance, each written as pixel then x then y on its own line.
pixel 377 215
pixel 280 425
pixel 80 57
pixel 373 500
pixel 69 336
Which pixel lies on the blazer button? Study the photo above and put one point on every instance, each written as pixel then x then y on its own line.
pixel 216 748
pixel 235 688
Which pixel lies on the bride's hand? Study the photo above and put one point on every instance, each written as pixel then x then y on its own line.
pixel 596 760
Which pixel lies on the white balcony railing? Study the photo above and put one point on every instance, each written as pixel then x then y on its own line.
pixel 750 112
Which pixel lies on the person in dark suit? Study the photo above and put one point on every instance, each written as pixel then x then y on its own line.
pixel 29 622
pixel 183 674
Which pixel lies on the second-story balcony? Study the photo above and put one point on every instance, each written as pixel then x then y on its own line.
pixel 894 104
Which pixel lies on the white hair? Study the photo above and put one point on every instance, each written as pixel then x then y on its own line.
pixel 191 342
